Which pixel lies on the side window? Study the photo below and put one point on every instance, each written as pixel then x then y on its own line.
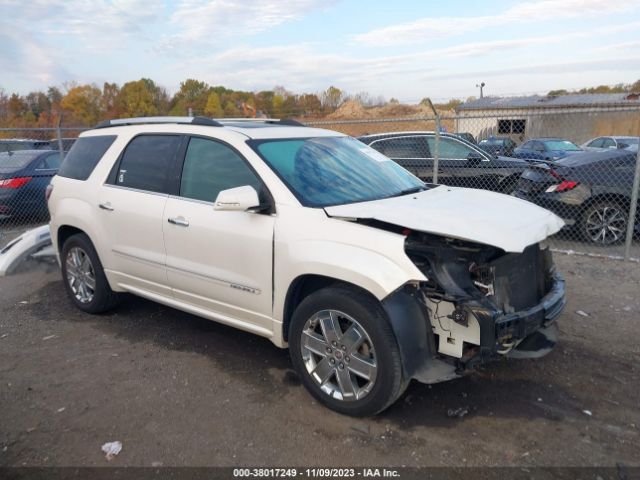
pixel 597 143
pixel 608 143
pixel 450 149
pixel 210 167
pixel 402 147
pixel 50 162
pixel 147 161
pixel 84 156
pixel 538 147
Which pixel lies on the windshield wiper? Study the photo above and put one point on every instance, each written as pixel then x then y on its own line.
pixel 407 191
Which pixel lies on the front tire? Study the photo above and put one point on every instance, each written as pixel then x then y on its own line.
pixel 84 278
pixel 344 350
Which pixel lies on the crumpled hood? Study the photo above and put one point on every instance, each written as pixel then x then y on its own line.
pixel 475 215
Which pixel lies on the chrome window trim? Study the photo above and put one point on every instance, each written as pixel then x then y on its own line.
pixel 150 192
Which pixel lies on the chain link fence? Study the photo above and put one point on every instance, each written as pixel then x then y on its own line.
pixel 581 164
pixel 29 158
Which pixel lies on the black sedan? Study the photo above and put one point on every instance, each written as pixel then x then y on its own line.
pixel 461 163
pixel 591 192
pixel 24 176
pixel 498 146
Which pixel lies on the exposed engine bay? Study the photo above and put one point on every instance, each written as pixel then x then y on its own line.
pixel 483 302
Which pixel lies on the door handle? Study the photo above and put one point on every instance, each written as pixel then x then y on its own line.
pixel 178 221
pixel 106 206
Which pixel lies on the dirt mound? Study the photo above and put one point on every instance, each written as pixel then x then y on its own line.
pixel 395 110
pixel 349 109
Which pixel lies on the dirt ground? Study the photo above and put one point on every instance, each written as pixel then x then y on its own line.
pixel 178 390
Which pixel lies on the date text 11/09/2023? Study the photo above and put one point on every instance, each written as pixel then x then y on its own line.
pixel 315 473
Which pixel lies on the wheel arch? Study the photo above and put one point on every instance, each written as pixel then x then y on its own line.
pixel 620 198
pixel 66 231
pixel 507 181
pixel 305 285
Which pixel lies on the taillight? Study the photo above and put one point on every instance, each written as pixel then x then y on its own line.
pixel 14 182
pixel 562 186
pixel 566 185
pixel 47 192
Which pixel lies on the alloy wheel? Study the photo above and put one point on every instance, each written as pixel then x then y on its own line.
pixel 339 355
pixel 80 275
pixel 606 225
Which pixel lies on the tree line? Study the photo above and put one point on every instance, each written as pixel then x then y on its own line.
pixel 86 105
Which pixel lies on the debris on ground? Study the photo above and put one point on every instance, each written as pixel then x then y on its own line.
pixel 457 412
pixel 587 412
pixel 582 314
pixel 111 449
pixel 49 337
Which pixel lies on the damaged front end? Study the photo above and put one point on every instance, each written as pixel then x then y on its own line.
pixel 482 303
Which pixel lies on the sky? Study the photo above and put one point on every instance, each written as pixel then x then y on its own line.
pixel 404 49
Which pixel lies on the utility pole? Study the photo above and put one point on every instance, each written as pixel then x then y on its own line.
pixel 481 86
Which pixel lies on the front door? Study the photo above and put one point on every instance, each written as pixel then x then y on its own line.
pixel 463 166
pixel 220 261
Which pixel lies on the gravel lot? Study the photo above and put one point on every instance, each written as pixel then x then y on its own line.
pixel 179 390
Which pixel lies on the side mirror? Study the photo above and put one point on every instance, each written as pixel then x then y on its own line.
pixel 474 158
pixel 237 199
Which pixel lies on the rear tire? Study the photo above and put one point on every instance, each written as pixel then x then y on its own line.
pixel 604 223
pixel 84 278
pixel 345 352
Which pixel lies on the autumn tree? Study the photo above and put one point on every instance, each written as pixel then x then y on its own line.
pixel 110 92
pixel 264 101
pixel 213 107
pixel 331 98
pixel 37 103
pixel 16 106
pixel 231 110
pixel 82 104
pixel 4 105
pixel 141 98
pixel 309 104
pixel 193 94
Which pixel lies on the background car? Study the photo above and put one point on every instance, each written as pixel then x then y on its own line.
pixel 461 163
pixel 15 144
pixel 467 136
pixel 546 149
pixel 67 143
pixel 24 176
pixel 498 146
pixel 591 192
pixel 606 143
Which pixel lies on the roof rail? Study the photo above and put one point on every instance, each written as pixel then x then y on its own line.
pixel 275 121
pixel 158 120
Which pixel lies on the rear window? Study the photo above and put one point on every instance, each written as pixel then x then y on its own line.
pixel 16 160
pixel 84 156
pixel 147 161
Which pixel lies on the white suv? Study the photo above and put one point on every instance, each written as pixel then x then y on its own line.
pixel 312 239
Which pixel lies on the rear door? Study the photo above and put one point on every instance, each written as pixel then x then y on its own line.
pixel 130 208
pixel 220 261
pixel 410 151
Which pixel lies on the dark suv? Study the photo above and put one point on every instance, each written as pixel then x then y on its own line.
pixel 461 163
pixel 15 144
